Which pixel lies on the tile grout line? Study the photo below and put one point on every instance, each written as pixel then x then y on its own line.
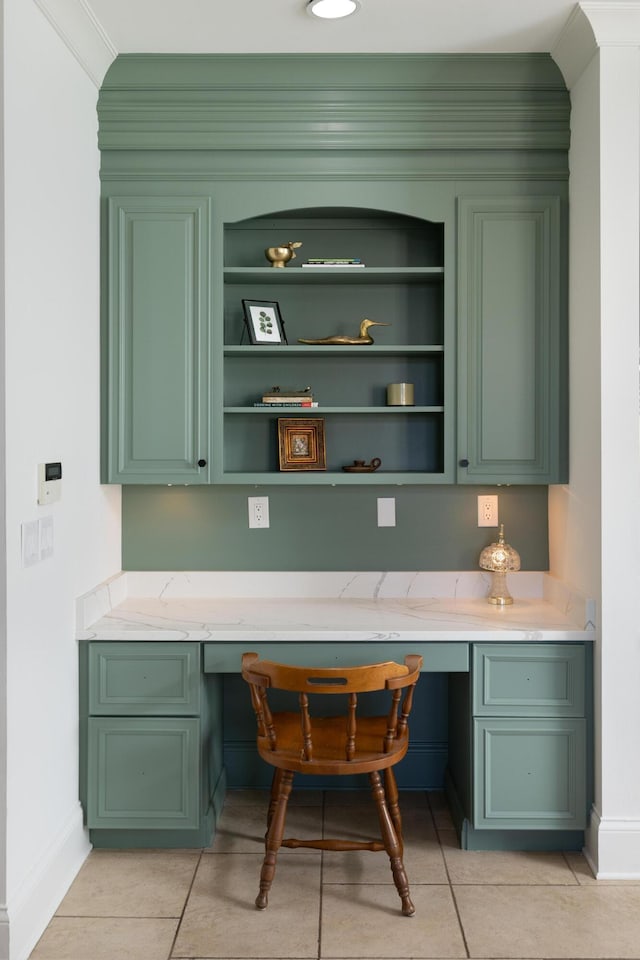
pixel 184 906
pixel 451 890
pixel 322 852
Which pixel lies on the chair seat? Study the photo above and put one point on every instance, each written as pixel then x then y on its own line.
pixel 329 746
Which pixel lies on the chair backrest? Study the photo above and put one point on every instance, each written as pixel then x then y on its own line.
pixel 262 675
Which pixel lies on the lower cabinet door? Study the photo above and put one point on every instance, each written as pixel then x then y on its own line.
pixel 143 772
pixel 530 774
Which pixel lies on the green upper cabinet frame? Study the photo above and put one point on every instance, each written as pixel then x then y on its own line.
pixel 208 159
pixel 511 354
pixel 156 364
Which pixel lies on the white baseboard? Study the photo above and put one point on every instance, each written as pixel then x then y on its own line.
pixel 613 847
pixel 36 901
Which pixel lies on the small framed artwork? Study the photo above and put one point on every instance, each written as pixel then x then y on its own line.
pixel 263 321
pixel 301 444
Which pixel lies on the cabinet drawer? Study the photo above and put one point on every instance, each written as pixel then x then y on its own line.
pixel 143 772
pixel 161 679
pixel 528 680
pixel 529 774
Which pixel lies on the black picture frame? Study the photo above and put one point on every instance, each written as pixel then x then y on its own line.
pixel 264 322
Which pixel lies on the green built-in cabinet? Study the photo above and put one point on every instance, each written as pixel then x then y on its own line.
pixel 447 176
pixel 518 744
pixel 153 750
pixel 183 377
pixel 152 743
pixel 511 340
pixel 156 281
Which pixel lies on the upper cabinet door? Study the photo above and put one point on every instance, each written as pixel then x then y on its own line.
pixel 157 340
pixel 511 338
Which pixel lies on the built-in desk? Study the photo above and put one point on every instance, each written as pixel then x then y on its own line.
pixel 153 710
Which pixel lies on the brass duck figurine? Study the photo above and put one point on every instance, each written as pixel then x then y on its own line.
pixel 363 337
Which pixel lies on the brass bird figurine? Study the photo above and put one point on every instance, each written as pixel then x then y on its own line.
pixel 363 337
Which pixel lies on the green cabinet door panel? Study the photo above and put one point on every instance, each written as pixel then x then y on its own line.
pixel 143 772
pixel 157 339
pixel 144 678
pixel 511 368
pixel 529 680
pixel 530 774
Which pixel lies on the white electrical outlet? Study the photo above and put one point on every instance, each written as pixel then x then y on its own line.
pixel 258 512
pixel 488 510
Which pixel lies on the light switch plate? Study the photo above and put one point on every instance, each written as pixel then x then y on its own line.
pixel 386 511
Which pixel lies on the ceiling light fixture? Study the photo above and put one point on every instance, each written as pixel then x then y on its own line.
pixel 332 9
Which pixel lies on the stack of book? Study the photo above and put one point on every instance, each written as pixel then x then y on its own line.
pixel 334 262
pixel 287 398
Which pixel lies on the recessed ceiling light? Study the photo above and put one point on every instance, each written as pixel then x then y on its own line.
pixel 332 9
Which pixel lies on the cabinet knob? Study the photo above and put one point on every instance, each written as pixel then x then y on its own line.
pixel 464 462
pixel 202 463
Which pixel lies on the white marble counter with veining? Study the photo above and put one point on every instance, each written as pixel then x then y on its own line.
pixel 331 607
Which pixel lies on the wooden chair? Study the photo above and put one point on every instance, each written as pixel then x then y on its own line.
pixel 299 742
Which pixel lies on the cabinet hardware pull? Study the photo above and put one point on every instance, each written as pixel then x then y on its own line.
pixel 464 463
pixel 202 463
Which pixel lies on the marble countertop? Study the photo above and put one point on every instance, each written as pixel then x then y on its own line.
pixel 328 608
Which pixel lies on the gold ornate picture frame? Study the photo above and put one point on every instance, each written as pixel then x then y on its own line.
pixel 301 444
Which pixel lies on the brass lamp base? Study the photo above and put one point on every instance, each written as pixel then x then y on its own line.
pixel 499 592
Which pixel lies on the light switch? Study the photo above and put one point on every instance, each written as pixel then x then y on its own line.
pixel 386 511
pixel 30 543
pixel 45 525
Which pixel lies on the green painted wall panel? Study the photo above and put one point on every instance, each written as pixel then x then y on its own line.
pixel 325 528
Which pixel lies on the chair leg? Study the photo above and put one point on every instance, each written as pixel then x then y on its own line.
pixel 391 844
pixel 273 798
pixel 274 837
pixel 391 791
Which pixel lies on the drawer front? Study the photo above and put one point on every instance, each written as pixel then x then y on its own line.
pixel 528 680
pixel 143 773
pixel 438 657
pixel 129 679
pixel 529 774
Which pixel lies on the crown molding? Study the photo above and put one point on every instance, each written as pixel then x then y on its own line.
pixel 594 24
pixel 84 35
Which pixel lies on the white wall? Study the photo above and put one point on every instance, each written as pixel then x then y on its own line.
pixel 595 521
pixel 574 510
pixel 52 402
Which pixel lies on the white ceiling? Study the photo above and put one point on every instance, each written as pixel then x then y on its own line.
pixel 277 26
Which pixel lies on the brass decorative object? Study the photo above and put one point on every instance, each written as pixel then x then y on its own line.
pixel 280 256
pixel 363 337
pixel 499 558
pixel 359 466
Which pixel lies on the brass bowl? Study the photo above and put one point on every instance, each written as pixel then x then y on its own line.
pixel 279 256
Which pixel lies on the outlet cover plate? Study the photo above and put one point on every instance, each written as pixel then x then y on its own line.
pixel 488 510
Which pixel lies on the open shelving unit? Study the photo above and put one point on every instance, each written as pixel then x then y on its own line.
pixel 402 284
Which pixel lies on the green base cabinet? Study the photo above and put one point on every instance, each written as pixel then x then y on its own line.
pixel 144 772
pixel 518 747
pixel 529 774
pixel 151 744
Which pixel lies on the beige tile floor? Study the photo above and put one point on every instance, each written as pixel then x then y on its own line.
pixel 198 904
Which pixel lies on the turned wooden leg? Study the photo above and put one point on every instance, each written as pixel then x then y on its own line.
pixel 274 837
pixel 391 844
pixel 391 791
pixel 273 799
